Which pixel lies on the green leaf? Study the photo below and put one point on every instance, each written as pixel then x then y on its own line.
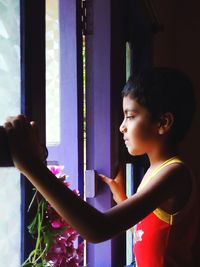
pixel 57 231
pixel 28 264
pixel 41 265
pixel 48 240
pixel 33 198
pixel 33 226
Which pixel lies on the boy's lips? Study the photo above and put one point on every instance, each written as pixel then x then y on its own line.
pixel 125 141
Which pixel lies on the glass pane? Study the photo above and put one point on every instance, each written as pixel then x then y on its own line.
pixel 10 200
pixel 128 60
pixel 52 74
pixel 129 171
pixel 9 59
pixel 84 129
pixel 129 193
pixel 10 223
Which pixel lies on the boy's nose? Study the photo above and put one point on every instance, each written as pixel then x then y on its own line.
pixel 122 128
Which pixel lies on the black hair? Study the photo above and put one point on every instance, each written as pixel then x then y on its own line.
pixel 161 90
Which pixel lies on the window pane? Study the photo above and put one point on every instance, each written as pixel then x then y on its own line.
pixel 128 60
pixel 129 171
pixel 9 59
pixel 129 193
pixel 10 223
pixel 52 74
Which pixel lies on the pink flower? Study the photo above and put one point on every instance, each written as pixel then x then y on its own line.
pixel 56 254
pixel 76 192
pixel 63 252
pixel 56 224
pixel 56 170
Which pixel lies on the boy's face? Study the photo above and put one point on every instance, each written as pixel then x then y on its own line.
pixel 139 131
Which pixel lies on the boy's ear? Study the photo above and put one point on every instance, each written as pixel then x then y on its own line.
pixel 165 123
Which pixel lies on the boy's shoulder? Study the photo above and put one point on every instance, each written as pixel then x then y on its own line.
pixel 181 185
pixel 178 175
pixel 174 174
pixel 170 185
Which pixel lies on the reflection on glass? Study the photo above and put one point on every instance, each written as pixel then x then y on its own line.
pixel 52 74
pixel 129 169
pixel 9 59
pixel 10 223
pixel 128 60
pixel 129 193
pixel 84 129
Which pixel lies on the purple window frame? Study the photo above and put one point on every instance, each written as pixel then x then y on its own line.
pixel 105 77
pixel 70 150
pixel 100 125
pixel 32 27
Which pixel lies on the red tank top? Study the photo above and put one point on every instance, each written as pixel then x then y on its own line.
pixel 166 240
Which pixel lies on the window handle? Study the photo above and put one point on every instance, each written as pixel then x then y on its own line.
pixel 91 183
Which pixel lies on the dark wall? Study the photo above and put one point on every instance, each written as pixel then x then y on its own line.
pixel 178 45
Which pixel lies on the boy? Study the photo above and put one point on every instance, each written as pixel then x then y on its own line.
pixel 158 106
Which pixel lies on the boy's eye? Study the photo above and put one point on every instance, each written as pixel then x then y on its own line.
pixel 129 117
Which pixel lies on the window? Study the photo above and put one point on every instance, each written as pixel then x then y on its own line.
pixel 65 125
pixel 10 194
pixel 64 89
pixel 53 123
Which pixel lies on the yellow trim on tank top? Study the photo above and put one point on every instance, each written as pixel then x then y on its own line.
pixel 161 214
pixel 172 160
pixel 166 217
pixel 164 164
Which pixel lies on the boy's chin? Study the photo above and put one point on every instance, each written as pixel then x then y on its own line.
pixel 136 152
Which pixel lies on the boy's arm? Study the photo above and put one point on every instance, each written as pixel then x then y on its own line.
pixel 25 148
pixel 89 222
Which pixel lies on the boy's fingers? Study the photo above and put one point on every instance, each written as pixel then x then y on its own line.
pixel 7 125
pixel 35 129
pixel 18 122
pixel 42 150
pixel 120 175
pixel 104 178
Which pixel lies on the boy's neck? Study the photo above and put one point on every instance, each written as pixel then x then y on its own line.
pixel 162 154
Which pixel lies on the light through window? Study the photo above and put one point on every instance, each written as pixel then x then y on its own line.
pixel 10 196
pixel 52 73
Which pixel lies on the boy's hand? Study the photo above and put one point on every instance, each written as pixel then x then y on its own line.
pixel 116 185
pixel 23 137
